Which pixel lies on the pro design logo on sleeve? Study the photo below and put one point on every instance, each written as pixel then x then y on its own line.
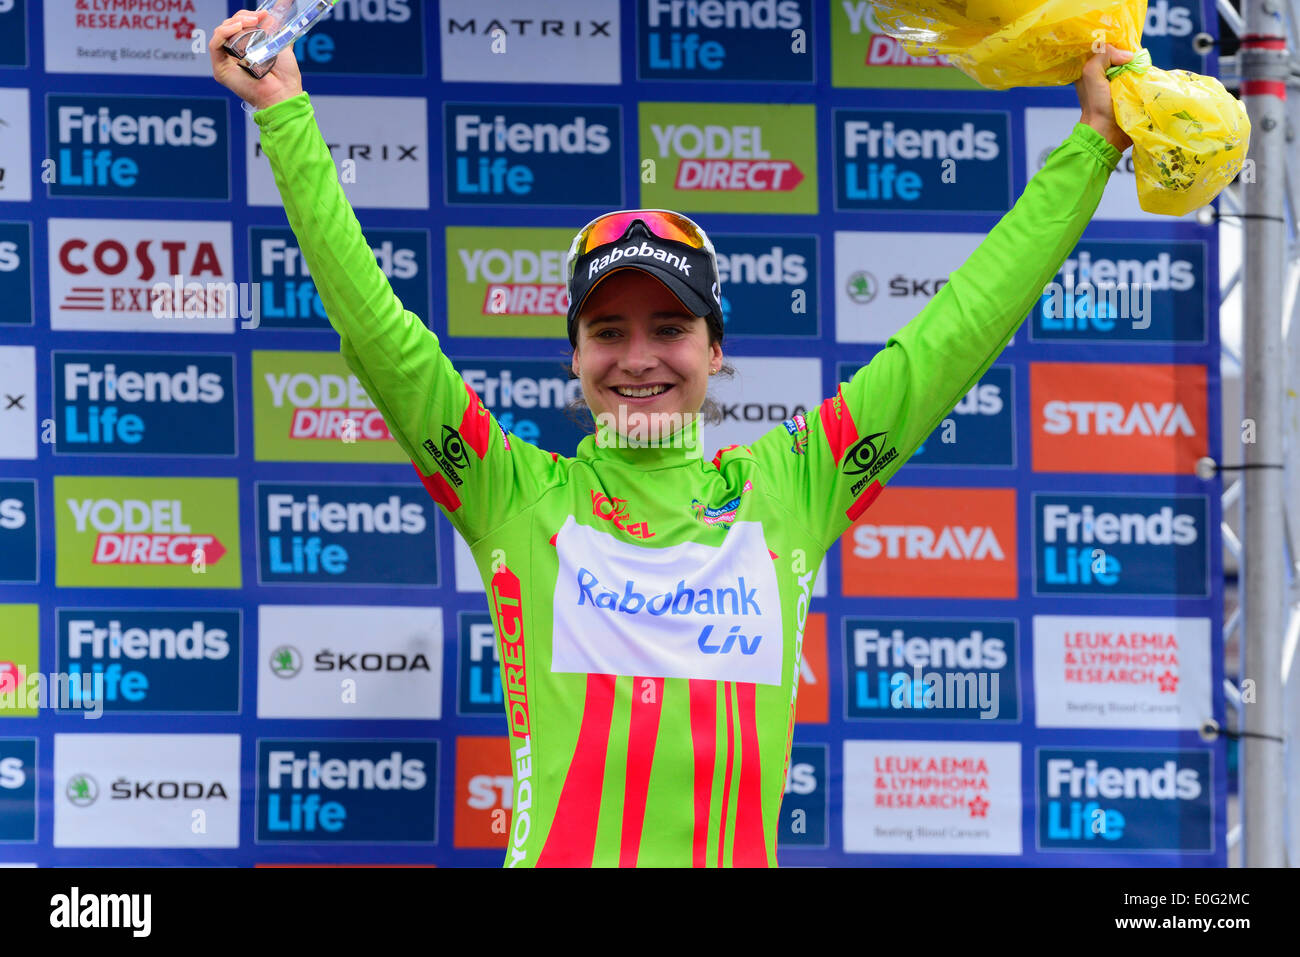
pixel 17 785
pixel 138 147
pixel 18 538
pixel 922 161
pixel 730 157
pixel 1138 800
pixel 1118 417
pixel 769 41
pixel 119 532
pixel 15 266
pixel 507 281
pixel 522 154
pixel 864 55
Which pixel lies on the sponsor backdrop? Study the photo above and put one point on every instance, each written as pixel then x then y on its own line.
pixel 1009 653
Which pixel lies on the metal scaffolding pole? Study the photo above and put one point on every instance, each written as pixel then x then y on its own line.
pixel 1265 68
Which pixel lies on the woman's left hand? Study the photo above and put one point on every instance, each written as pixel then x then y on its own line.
pixel 1094 96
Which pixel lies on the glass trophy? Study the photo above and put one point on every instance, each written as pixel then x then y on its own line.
pixel 285 22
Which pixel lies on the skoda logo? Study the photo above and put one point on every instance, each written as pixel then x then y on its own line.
pixel 82 790
pixel 285 661
pixel 861 287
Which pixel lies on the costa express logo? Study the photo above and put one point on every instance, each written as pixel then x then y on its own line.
pixel 980 430
pixel 144 403
pixel 864 55
pixel 1121 545
pixel 289 299
pixel 922 161
pixel 756 271
pixel 525 154
pixel 15 269
pixel 13 32
pixel 17 785
pixel 176 661
pixel 345 535
pixel 1118 417
pixel 807 796
pixel 745 40
pixel 507 282
pixel 146 532
pixel 347 791
pixel 339 42
pixel 934 543
pixel 308 407
pixel 1161 284
pixel 927 669
pixel 138 147
pixel 1142 800
pixel 479 676
pixel 484 792
pixel 528 399
pixel 18 552
pixel 730 157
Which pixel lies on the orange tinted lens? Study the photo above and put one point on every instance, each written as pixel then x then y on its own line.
pixel 610 229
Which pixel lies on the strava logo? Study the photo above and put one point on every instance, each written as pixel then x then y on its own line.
pixel 451 457
pixel 867 456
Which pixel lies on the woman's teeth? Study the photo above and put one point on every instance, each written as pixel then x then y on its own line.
pixel 640 393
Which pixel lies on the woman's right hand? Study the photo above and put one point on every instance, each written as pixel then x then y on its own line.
pixel 280 83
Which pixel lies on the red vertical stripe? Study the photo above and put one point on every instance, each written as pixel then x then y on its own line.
pixel 571 841
pixel 704 696
pixel 475 425
pixel 837 424
pixel 439 490
pixel 863 501
pixel 641 735
pixel 726 781
pixel 750 849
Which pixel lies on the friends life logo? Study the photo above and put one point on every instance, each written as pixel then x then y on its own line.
pixel 143 403
pixel 804 808
pixel 17 787
pixel 15 271
pixel 757 271
pixel 1125 292
pixel 1104 545
pixel 344 40
pixel 1138 799
pixel 137 147
pixel 347 791
pixel 479 673
pixel 922 161
pixel 931 669
pixel 288 295
pixel 18 537
pixel 179 661
pixel 533 154
pixel 363 534
pixel 530 399
pixel 756 40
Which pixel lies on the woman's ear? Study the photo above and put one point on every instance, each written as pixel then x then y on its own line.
pixel 573 364
pixel 715 356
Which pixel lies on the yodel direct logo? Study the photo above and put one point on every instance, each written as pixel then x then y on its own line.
pixel 740 40
pixel 345 534
pixel 922 161
pixel 326 791
pixel 144 403
pixel 506 282
pixel 154 147
pixel 526 154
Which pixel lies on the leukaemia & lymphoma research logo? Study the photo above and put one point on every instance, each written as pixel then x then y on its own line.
pixel 285 661
pixel 82 790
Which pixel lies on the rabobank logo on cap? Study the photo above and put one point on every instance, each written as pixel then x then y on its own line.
pixel 17 786
pixel 523 154
pixel 18 553
pixel 761 40
pixel 144 403
pixel 345 40
pixel 327 534
pixel 922 161
pixel 289 299
pixel 137 147
pixel 1121 545
pixel 331 791
pixel 16 273
pixel 1142 800
pixel 758 270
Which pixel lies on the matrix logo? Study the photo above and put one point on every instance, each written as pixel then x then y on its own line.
pixel 15 143
pixel 1108 545
pixel 754 40
pixel 119 532
pixel 760 272
pixel 144 403
pixel 864 55
pixel 497 41
pixel 128 36
pixel 138 147
pixel 1139 800
pixel 18 535
pixel 17 784
pixel 930 669
pixel 13 32
pixel 343 42
pixel 526 154
pixel 325 534
pixel 922 161
pixel 804 809
pixel 15 271
pixel 347 791
pixel 980 430
pixel 308 407
pixel 289 299
pixel 730 157
pixel 507 281
pixel 479 675
pixel 179 661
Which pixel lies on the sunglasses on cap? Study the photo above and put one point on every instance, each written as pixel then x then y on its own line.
pixel 611 227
